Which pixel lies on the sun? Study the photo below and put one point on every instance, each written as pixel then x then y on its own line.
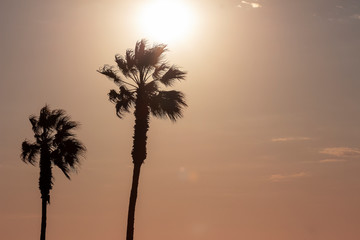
pixel 166 20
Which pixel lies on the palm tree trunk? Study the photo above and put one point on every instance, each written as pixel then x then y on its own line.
pixel 138 155
pixel 43 219
pixel 45 185
pixel 132 202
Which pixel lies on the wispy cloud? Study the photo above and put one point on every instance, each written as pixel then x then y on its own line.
pixel 340 11
pixel 332 160
pixel 355 16
pixel 341 152
pixel 246 4
pixel 286 177
pixel 287 139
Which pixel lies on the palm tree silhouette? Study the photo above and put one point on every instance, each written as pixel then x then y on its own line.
pixel 57 145
pixel 146 70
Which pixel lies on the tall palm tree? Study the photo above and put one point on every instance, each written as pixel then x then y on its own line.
pixel 144 70
pixel 55 144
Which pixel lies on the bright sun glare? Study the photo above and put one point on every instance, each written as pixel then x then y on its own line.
pixel 166 20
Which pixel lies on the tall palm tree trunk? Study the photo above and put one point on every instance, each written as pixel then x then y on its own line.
pixel 43 219
pixel 132 202
pixel 44 186
pixel 138 154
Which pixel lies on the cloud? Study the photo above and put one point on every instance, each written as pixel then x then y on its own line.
pixel 282 177
pixel 341 152
pixel 355 16
pixel 332 160
pixel 287 139
pixel 340 11
pixel 247 4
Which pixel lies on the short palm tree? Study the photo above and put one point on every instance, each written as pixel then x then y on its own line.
pixel 55 144
pixel 144 70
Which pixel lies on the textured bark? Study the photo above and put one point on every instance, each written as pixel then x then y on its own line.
pixel 43 219
pixel 138 154
pixel 141 127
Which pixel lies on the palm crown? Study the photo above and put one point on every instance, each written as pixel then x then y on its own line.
pixel 56 144
pixel 145 69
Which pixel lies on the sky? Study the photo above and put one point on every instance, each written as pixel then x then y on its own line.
pixel 269 147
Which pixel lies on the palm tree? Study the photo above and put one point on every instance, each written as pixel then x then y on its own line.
pixel 55 144
pixel 144 70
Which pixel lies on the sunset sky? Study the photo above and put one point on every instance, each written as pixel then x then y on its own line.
pixel 268 149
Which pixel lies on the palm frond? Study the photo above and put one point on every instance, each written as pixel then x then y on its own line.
pixel 64 169
pixel 151 87
pixel 58 161
pixel 72 150
pixel 67 155
pixel 127 66
pixel 122 107
pixel 65 124
pixel 63 130
pixel 56 144
pixel 121 62
pixel 123 100
pixel 159 70
pixel 43 118
pixel 130 59
pixel 139 52
pixel 172 74
pixel 54 117
pixel 113 96
pixel 29 152
pixel 140 65
pixel 168 104
pixel 156 54
pixel 34 124
pixel 110 73
pixel 152 56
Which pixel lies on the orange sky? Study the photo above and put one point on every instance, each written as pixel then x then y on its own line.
pixel 269 147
